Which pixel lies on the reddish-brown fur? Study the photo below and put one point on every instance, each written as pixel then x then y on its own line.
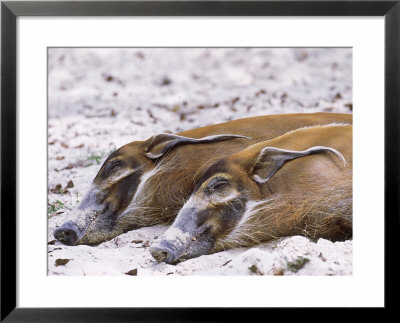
pixel 175 173
pixel 167 191
pixel 297 183
pixel 311 195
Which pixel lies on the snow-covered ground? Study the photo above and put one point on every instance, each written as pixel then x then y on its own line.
pixel 101 99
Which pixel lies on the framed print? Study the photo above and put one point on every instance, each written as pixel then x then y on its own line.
pixel 136 157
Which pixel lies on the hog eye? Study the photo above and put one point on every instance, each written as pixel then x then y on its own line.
pixel 217 185
pixel 111 167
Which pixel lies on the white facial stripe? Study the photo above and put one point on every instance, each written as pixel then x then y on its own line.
pixel 119 176
pixel 145 177
pixel 138 195
pixel 251 206
pixel 217 199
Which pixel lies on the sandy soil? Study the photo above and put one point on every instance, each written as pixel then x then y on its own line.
pixel 100 99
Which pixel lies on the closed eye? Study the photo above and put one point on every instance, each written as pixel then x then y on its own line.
pixel 111 167
pixel 217 184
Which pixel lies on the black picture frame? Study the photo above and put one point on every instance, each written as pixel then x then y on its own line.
pixel 11 10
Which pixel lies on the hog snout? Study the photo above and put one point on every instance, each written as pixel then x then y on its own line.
pixel 164 251
pixel 68 233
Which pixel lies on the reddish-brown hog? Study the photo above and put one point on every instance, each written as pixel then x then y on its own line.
pixel 297 184
pixel 146 182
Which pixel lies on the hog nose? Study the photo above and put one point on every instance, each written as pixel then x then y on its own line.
pixel 164 252
pixel 67 234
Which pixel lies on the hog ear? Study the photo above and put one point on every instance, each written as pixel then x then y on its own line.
pixel 271 159
pixel 158 145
